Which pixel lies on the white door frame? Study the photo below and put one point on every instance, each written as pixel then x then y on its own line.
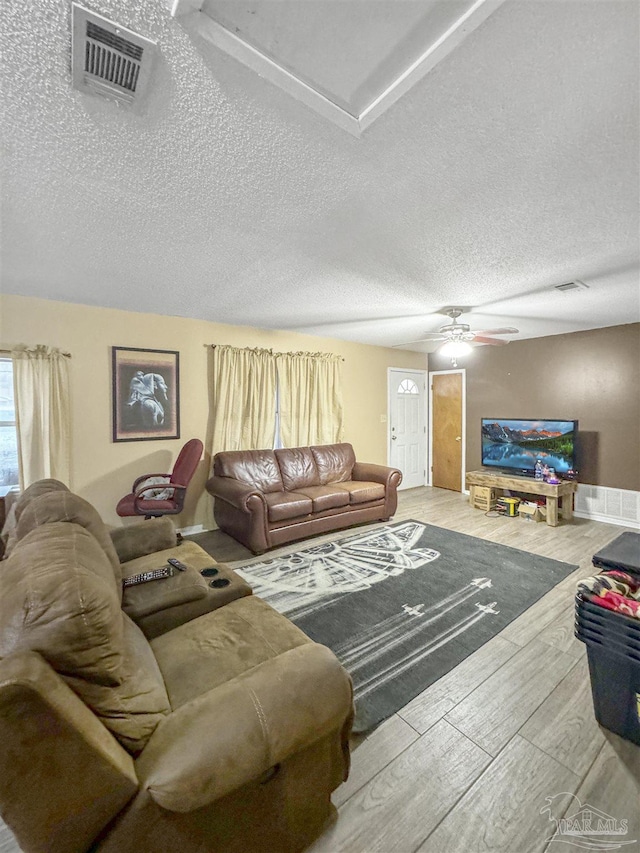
pixel 463 462
pixel 423 377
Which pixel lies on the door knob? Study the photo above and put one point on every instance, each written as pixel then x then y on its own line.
pixel 458 438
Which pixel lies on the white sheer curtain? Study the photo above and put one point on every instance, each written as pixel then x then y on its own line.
pixel 244 398
pixel 43 413
pixel 310 398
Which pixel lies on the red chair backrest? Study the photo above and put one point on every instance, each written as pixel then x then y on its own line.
pixel 187 462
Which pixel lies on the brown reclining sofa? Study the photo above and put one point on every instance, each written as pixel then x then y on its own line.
pixel 265 498
pixel 169 716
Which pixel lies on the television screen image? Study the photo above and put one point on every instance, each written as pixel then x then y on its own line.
pixel 516 445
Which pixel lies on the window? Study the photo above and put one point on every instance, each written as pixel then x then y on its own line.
pixel 407 386
pixel 277 438
pixel 8 435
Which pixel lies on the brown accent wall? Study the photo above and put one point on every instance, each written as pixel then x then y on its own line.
pixel 592 376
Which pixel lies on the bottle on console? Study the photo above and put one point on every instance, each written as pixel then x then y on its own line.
pixel 538 470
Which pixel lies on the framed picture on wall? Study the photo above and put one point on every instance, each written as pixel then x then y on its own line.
pixel 145 394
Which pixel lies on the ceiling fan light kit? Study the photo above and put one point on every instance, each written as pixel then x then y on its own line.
pixel 455 349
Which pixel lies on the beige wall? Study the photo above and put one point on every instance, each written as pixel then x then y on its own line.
pixel 102 471
pixel 593 376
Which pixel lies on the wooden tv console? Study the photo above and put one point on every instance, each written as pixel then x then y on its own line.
pixel 563 491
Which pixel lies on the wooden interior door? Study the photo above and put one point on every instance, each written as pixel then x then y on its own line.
pixel 446 425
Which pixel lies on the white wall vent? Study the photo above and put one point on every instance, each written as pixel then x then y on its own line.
pixel 108 59
pixel 613 506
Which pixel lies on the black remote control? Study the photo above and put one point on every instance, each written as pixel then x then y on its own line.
pixel 177 564
pixel 144 577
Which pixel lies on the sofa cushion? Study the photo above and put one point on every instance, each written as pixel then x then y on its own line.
pixel 57 597
pixel 220 645
pixel 131 709
pixel 334 462
pixel 40 487
pixel 65 506
pixel 362 491
pixel 326 497
pixel 284 505
pixel 257 468
pixel 297 468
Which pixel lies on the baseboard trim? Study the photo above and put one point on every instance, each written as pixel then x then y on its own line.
pixel 190 531
pixel 605 519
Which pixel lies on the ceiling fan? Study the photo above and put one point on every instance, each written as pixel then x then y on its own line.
pixel 457 337
pixel 455 332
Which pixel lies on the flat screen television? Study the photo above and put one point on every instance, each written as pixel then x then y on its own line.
pixel 514 446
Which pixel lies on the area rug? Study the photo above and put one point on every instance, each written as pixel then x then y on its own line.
pixel 403 604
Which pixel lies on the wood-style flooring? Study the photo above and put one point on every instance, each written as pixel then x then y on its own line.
pixel 476 761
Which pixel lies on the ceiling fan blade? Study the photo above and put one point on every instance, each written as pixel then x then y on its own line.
pixel 506 331
pixel 496 342
pixel 433 337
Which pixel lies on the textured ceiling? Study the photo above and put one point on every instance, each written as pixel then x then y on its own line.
pixel 512 166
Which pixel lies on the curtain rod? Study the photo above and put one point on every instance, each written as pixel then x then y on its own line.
pixel 279 352
pixel 8 352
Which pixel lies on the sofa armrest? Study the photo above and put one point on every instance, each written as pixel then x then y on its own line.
pixel 240 509
pixel 234 492
pixel 63 776
pixel 144 537
pixel 236 732
pixel 171 602
pixel 147 598
pixel 389 477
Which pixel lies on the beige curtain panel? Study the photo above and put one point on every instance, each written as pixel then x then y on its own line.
pixel 244 398
pixel 43 413
pixel 310 398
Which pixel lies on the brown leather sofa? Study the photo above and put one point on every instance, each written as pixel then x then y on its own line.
pixel 225 728
pixel 265 498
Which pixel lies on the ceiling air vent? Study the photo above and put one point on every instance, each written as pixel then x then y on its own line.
pixel 571 285
pixel 108 59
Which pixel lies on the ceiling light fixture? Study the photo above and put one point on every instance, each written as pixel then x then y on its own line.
pixel 455 350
